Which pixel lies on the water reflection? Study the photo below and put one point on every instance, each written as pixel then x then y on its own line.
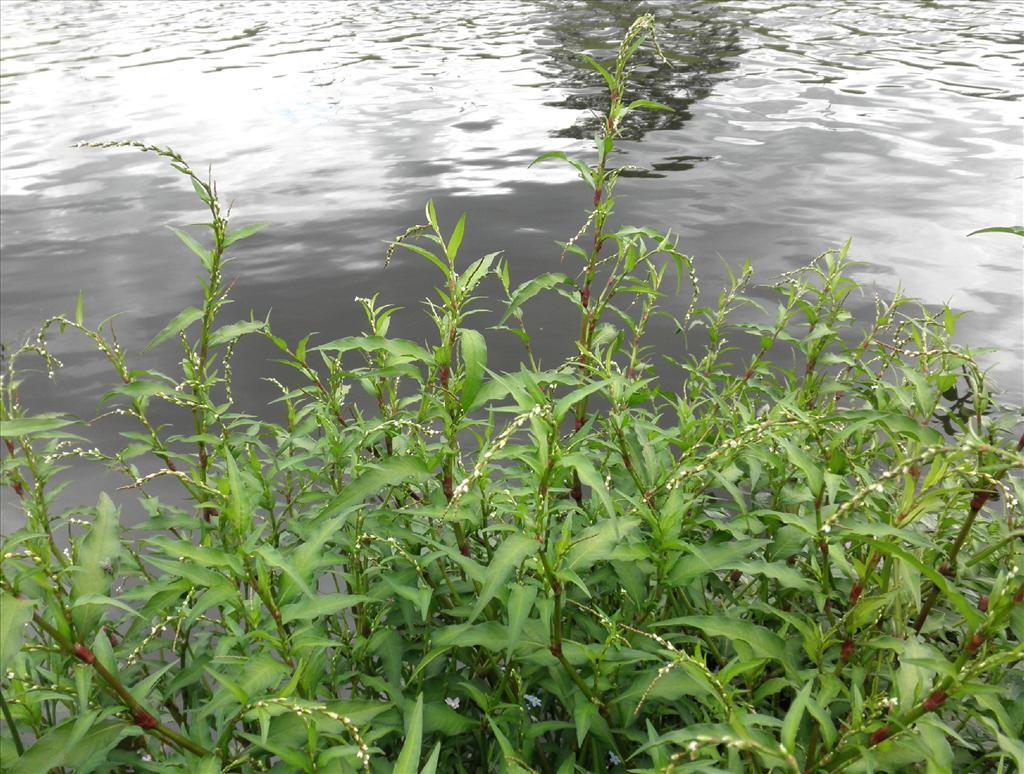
pixel 699 42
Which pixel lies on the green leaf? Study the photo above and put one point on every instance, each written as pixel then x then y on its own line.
pixel 520 603
pixel 274 558
pixel 79 303
pixel 94 572
pixel 193 245
pixel 320 606
pixel 763 643
pixel 79 744
pixel 430 767
pixel 476 271
pixel 588 475
pixel 608 79
pixel 243 233
pixel 207 765
pixel 509 555
pixel 646 103
pixel 181 321
pixel 712 557
pixel 14 615
pixel 474 355
pixel 400 348
pixel 140 388
pixel 40 423
pixel 815 479
pixel 965 608
pixel 235 330
pixel 1012 747
pixel 390 472
pixel 532 287
pixel 586 173
pixel 791 723
pixel 452 248
pixel 409 758
pixel 431 213
pixel 565 403
pixel 1016 230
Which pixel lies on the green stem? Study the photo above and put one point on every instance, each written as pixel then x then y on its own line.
pixel 11 725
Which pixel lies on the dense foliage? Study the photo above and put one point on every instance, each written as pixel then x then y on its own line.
pixel 802 558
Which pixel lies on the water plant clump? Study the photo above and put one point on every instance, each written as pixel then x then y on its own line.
pixel 805 558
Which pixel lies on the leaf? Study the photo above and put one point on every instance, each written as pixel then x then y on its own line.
pixel 80 744
pixel 565 403
pixel 597 544
pixel 476 271
pixel 601 69
pixel 79 303
pixel 141 388
pixel 235 330
pixel 274 558
pixel 509 555
pixel 100 599
pixel 400 348
pixel 243 233
pixel 763 643
pixel 40 423
pixel 646 103
pixel 431 213
pixel 520 603
pixel 431 765
pixel 1012 747
pixel 584 715
pixel 93 574
pixel 588 475
pixel 1016 230
pixel 791 723
pixel 208 765
pixel 390 472
pixel 712 557
pixel 452 248
pixel 532 287
pixel 815 479
pixel 319 606
pixel 409 758
pixel 965 608
pixel 474 355
pixel 193 245
pixel 14 615
pixel 586 173
pixel 181 321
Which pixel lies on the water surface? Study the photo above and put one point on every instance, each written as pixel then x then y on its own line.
pixel 796 126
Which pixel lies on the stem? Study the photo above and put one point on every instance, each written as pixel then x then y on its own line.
pixel 140 716
pixel 9 719
pixel 981 496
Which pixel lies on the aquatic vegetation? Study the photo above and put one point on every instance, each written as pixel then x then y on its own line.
pixel 801 559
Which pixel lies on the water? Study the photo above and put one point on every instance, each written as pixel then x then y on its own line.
pixel 797 125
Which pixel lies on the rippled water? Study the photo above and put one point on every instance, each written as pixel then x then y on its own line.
pixel 797 125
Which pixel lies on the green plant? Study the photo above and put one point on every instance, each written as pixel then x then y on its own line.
pixel 806 560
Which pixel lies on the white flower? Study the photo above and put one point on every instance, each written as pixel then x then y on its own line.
pixel 613 759
pixel 453 702
pixel 533 701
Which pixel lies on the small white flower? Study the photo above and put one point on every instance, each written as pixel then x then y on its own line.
pixel 613 759
pixel 533 701
pixel 453 702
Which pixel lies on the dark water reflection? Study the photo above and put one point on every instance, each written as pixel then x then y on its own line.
pixel 797 125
